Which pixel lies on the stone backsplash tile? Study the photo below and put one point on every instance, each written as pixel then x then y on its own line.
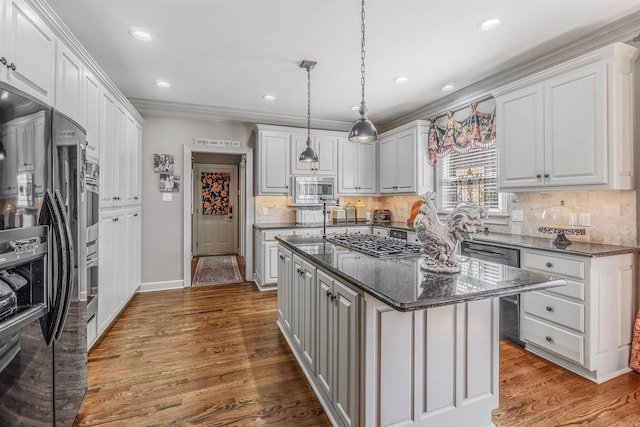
pixel 613 213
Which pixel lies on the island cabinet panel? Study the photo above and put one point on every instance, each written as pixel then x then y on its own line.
pixel 430 367
pixel 284 289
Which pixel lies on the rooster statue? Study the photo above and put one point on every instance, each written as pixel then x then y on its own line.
pixel 439 241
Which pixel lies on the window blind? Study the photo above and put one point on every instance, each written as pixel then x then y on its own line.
pixel 470 177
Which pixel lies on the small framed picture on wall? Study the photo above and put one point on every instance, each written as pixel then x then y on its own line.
pixel 163 163
pixel 169 183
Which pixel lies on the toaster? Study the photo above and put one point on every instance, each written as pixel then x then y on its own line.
pixel 382 215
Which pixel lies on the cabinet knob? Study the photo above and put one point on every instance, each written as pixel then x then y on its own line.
pixel 549 265
pixel 549 308
pixel 538 176
pixel 548 338
pixel 333 297
pixel 12 66
pixel 546 175
pixel 3 60
pixel 329 294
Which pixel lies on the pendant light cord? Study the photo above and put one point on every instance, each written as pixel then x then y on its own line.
pixel 362 51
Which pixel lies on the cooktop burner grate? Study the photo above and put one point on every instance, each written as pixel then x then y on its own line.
pixel 381 247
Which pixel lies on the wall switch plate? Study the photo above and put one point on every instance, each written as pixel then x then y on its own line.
pixel 517 216
pixel 585 219
pixel 265 211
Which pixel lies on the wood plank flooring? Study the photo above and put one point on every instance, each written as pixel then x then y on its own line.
pixel 213 356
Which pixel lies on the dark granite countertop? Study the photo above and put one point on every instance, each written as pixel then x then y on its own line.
pixel 281 225
pixel 402 284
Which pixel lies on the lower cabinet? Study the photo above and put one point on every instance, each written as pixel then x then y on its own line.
pixel 319 317
pixel 266 255
pixel 585 326
pixel 119 265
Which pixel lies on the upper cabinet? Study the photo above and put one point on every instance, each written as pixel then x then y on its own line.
pixel 69 74
pixel 357 167
pixel 326 146
pixel 278 149
pixel 569 127
pixel 27 52
pixel 404 160
pixel 91 112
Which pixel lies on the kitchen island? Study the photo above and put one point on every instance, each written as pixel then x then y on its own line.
pixel 384 343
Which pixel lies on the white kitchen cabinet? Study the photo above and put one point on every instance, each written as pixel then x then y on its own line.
pixel 69 82
pixel 10 163
pixel 273 152
pixel 357 168
pixel 303 304
pixel 326 147
pixel 266 265
pixel 90 113
pixel 121 171
pixel 569 127
pixel 107 150
pixel 338 334
pixel 28 52
pixel 285 262
pixel 133 246
pixel 404 160
pixel 585 326
pixel 133 151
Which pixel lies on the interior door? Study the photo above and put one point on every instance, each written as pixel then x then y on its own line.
pixel 215 200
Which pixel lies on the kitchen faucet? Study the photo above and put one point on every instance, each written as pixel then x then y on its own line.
pixel 333 202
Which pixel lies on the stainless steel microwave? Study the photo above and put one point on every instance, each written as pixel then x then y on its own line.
pixel 311 190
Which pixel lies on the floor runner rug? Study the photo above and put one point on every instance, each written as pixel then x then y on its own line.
pixel 217 270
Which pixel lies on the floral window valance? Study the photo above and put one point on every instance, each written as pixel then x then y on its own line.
pixel 478 130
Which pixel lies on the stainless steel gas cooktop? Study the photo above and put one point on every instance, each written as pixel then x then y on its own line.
pixel 381 247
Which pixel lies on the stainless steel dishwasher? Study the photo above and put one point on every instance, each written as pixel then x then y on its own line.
pixel 510 305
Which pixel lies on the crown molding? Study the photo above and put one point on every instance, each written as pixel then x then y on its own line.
pixel 206 112
pixel 623 30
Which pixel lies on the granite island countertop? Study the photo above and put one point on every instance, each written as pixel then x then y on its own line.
pixel 404 286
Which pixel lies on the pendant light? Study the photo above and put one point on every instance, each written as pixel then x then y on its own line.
pixel 363 130
pixel 308 155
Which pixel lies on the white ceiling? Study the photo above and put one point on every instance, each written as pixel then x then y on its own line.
pixel 227 53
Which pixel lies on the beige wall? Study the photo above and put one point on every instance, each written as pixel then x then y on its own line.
pixel 162 222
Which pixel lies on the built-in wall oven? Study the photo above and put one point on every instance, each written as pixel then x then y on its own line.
pixel 92 193
pixel 510 305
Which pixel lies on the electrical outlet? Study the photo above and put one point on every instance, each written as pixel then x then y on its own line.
pixel 517 216
pixel 265 211
pixel 585 219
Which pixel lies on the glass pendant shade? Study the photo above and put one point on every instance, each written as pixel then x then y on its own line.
pixel 308 155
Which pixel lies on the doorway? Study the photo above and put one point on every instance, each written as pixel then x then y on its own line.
pixel 215 227
pixel 242 158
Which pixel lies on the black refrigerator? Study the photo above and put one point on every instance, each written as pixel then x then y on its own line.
pixel 43 325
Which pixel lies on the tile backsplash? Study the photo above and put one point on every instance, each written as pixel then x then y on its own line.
pixel 613 213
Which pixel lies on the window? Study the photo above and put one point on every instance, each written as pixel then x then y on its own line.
pixel 470 177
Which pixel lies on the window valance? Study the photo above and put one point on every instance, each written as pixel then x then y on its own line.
pixel 478 130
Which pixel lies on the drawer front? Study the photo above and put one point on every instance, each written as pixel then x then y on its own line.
pixel 271 234
pixel 571 289
pixel 336 230
pixel 553 265
pixel 554 309
pixel 307 231
pixel 552 338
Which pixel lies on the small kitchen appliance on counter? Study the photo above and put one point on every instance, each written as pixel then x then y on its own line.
pixel 350 213
pixel 382 216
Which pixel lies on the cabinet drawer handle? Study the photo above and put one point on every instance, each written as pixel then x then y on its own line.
pixel 548 338
pixel 549 308
pixel 12 66
pixel 549 265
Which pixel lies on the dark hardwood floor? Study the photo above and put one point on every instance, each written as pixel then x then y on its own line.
pixel 213 356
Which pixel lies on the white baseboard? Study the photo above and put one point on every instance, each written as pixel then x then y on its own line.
pixel 161 286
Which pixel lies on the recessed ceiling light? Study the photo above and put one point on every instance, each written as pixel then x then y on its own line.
pixel 268 97
pixel 489 24
pixel 448 87
pixel 400 79
pixel 140 34
pixel 162 83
